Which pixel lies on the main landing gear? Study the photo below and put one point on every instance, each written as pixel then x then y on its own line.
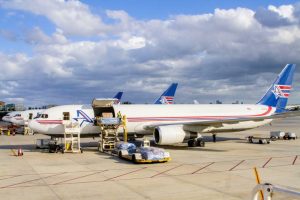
pixel 196 142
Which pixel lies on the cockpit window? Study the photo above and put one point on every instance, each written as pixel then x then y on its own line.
pixel 18 115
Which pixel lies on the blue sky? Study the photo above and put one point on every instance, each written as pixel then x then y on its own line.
pixel 62 52
pixel 162 9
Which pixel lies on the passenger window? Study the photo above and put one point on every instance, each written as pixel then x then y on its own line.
pixel 30 116
pixel 66 115
pixel 46 115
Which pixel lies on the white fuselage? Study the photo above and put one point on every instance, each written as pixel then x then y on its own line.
pixel 139 116
pixel 10 115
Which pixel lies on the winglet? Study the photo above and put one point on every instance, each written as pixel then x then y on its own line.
pixel 168 96
pixel 279 92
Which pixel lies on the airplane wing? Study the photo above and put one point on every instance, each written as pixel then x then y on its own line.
pixel 220 122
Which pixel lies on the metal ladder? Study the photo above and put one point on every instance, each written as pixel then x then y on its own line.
pixel 72 138
pixel 27 130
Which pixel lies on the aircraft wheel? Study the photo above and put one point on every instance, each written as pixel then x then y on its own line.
pixel 192 143
pixel 200 143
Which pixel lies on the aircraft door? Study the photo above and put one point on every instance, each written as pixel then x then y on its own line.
pixel 66 116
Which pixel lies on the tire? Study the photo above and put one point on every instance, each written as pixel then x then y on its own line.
pixel 191 143
pixel 260 141
pixel 201 143
pixel 273 138
pixel 120 154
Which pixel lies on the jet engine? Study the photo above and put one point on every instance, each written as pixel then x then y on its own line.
pixel 170 134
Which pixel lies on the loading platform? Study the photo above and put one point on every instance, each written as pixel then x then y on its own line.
pixel 110 141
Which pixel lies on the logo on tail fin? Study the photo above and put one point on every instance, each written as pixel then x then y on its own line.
pixel 282 91
pixel 117 101
pixel 167 99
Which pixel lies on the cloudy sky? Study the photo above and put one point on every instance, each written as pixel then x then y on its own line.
pixel 66 52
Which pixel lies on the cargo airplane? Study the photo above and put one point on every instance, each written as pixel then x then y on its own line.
pixel 84 115
pixel 176 123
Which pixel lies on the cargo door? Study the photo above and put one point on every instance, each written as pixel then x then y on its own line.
pixel 104 107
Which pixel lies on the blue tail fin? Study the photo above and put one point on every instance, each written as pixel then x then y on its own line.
pixel 277 95
pixel 168 96
pixel 118 96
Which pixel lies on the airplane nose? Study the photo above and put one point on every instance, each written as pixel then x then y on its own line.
pixel 5 118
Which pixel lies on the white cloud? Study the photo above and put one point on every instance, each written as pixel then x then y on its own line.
pixel 285 11
pixel 37 36
pixel 131 43
pixel 12 66
pixel 51 66
pixel 221 55
pixel 72 17
pixel 240 18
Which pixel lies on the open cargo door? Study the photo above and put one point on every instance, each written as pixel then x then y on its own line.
pixel 104 107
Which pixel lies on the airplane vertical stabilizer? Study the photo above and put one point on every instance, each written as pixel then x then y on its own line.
pixel 118 96
pixel 168 96
pixel 278 94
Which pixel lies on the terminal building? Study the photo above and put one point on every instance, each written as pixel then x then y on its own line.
pixel 2 105
pixel 11 107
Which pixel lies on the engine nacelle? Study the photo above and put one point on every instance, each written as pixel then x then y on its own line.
pixel 170 134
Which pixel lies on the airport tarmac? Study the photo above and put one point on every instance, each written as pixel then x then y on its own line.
pixel 221 170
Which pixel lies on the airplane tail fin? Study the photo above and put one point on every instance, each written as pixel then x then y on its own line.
pixel 168 96
pixel 279 92
pixel 118 97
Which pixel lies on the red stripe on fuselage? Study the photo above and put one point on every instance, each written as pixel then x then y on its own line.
pixel 49 121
